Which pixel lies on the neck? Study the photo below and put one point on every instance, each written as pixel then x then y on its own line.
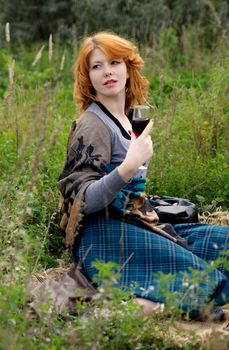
pixel 115 106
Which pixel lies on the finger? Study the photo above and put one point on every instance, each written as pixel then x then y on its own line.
pixel 133 136
pixel 147 129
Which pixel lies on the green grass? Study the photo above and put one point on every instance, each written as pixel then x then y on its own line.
pixel 191 113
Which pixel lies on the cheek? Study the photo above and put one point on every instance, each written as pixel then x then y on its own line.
pixel 127 72
pixel 93 78
pixel 90 77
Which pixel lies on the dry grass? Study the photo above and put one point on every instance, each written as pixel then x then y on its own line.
pixel 216 218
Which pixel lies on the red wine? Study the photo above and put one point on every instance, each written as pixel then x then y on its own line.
pixel 139 124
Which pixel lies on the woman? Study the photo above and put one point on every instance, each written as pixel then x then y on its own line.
pixel 103 176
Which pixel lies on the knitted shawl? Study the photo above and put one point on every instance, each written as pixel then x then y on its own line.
pixel 87 160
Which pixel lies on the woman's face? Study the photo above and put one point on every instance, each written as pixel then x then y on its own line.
pixel 108 76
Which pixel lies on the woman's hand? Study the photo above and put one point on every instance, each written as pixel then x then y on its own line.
pixel 140 150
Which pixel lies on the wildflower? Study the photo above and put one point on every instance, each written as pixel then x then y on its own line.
pixel 146 291
pixel 151 288
pixel 185 284
pixel 193 286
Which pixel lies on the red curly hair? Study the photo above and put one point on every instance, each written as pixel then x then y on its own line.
pixel 114 47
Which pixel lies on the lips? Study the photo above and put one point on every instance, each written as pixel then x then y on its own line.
pixel 110 82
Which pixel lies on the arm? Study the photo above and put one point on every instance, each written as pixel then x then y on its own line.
pixel 101 193
pixel 90 150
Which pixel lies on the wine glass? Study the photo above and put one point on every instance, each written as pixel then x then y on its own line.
pixel 141 117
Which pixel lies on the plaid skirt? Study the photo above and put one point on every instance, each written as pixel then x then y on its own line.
pixel 158 269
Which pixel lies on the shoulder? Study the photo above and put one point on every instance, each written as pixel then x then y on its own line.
pixel 90 129
pixel 90 120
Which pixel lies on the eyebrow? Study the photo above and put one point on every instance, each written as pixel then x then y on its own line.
pixel 96 62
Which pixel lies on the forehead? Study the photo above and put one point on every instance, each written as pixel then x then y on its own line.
pixel 97 55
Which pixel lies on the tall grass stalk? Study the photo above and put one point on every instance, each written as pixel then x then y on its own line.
pixel 62 60
pixel 7 32
pixel 50 48
pixel 38 56
pixel 11 71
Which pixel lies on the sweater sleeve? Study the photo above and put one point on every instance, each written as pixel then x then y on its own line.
pixel 102 192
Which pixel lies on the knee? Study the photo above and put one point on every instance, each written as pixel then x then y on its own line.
pixel 149 307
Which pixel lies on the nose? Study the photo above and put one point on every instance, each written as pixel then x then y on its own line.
pixel 107 71
pixel 108 74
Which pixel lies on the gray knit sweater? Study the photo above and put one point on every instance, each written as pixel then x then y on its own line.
pixel 101 192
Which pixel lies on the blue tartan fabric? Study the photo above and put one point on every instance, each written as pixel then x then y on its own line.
pixel 156 268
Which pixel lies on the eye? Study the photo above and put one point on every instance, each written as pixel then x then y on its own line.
pixel 96 66
pixel 115 62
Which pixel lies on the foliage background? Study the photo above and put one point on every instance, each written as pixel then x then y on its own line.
pixel 140 19
pixel 186 50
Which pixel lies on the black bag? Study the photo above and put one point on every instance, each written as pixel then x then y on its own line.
pixel 174 210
